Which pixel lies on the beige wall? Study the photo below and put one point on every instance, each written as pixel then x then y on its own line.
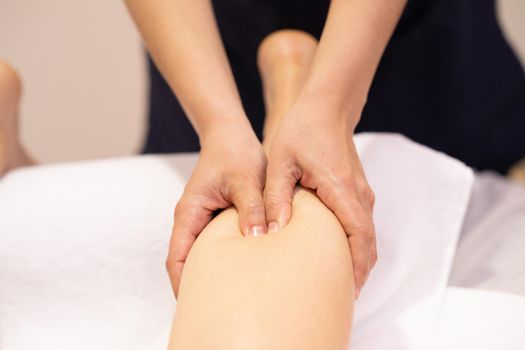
pixel 84 79
pixel 83 69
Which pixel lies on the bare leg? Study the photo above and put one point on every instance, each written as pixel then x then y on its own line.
pixel 284 60
pixel 288 290
pixel 12 153
pixel 517 172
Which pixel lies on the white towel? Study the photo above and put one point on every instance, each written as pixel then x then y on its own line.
pixel 422 197
pixel 82 249
pixel 481 320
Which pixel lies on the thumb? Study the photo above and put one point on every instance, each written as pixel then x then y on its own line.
pixel 278 193
pixel 248 200
pixel 190 220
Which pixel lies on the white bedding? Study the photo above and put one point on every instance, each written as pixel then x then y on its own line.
pixel 472 319
pixel 82 249
pixel 491 250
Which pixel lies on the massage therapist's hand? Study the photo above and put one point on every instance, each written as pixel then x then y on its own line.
pixel 230 171
pixel 314 146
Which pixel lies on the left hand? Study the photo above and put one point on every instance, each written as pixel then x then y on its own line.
pixel 314 146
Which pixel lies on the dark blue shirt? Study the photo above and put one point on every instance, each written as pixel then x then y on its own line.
pixel 448 78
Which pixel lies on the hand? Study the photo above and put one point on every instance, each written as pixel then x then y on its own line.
pixel 230 171
pixel 317 150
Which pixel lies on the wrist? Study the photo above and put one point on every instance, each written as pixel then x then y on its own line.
pixel 225 131
pixel 224 125
pixel 343 91
pixel 327 107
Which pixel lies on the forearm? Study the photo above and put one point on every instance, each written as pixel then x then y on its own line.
pixel 355 36
pixel 288 290
pixel 184 41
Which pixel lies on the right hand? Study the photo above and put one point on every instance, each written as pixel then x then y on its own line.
pixel 230 171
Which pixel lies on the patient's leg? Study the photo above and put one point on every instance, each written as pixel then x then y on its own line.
pixel 287 290
pixel 12 154
pixel 517 172
pixel 284 59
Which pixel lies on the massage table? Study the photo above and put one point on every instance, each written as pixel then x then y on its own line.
pixel 83 245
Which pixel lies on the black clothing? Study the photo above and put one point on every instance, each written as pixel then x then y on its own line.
pixel 448 79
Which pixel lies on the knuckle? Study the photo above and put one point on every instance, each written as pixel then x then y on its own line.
pixel 255 203
pixel 181 204
pixel 332 179
pixel 346 180
pixel 325 190
pixel 271 198
pixel 189 200
pixel 169 265
pixel 371 197
pixel 253 206
pixel 182 207
pixel 362 226
pixel 367 193
pixel 179 208
pixel 194 199
pixel 367 235
pixel 332 186
pixel 373 258
pixel 275 207
pixel 361 271
pixel 362 186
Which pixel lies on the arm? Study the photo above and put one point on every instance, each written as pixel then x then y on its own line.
pixel 314 145
pixel 353 41
pixel 183 39
pixel 288 290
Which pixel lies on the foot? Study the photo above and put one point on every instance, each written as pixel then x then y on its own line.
pixel 284 59
pixel 12 154
pixel 517 172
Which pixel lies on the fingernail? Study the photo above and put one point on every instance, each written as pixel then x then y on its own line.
pixel 256 230
pixel 273 227
pixel 357 292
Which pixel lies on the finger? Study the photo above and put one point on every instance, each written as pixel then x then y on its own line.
pixel 190 219
pixel 365 195
pixel 358 225
pixel 248 199
pixel 363 249
pixel 278 193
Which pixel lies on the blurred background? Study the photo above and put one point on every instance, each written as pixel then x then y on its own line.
pixel 84 74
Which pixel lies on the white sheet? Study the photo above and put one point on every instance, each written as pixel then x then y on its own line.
pixel 491 250
pixel 481 320
pixel 422 199
pixel 82 249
